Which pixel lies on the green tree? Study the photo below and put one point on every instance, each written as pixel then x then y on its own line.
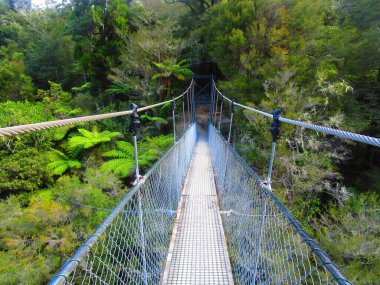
pixel 99 29
pixel 170 69
pixel 15 84
pixel 50 56
pixel 57 101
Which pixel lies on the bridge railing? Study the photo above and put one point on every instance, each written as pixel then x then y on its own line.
pixel 131 245
pixel 266 245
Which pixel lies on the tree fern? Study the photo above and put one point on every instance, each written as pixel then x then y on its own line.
pixel 88 139
pixel 122 157
pixel 119 166
pixel 169 68
pixel 118 88
pixel 60 162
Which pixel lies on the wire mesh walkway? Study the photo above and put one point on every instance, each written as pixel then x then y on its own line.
pixel 198 252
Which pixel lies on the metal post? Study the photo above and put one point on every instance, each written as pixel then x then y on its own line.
pixel 220 115
pixel 216 107
pixel 193 103
pixel 134 140
pixel 188 104
pixel 271 164
pixel 183 114
pixel 275 130
pixel 232 116
pixel 173 112
pixel 212 101
pixel 133 127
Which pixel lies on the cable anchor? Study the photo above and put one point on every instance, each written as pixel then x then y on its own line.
pixel 275 126
pixel 134 123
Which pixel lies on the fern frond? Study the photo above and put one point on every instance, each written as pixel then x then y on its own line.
pixel 122 166
pixel 60 169
pixel 125 147
pixel 116 154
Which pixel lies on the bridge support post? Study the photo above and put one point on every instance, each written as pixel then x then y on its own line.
pixel 232 116
pixel 183 113
pixel 173 112
pixel 216 105
pixel 212 101
pixel 133 127
pixel 193 102
pixel 275 130
pixel 220 115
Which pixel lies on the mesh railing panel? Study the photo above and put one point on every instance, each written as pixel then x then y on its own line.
pixel 131 245
pixel 264 243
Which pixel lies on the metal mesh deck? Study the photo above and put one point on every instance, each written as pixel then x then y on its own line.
pixel 198 252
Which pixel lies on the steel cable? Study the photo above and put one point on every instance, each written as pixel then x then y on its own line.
pixel 336 132
pixel 21 129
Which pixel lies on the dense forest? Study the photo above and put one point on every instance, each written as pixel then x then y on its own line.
pixel 318 61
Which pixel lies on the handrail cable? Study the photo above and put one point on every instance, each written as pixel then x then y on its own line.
pixel 27 128
pixel 336 132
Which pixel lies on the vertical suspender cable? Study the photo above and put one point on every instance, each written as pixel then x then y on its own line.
pixel 193 103
pixel 133 127
pixel 275 130
pixel 221 110
pixel 183 114
pixel 211 101
pixel 173 113
pixel 188 105
pixel 232 116
pixel 216 106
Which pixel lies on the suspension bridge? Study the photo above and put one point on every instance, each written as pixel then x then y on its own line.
pixel 200 215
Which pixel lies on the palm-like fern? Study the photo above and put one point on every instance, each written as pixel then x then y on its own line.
pixel 169 68
pixel 118 88
pixel 61 162
pixel 88 139
pixel 122 157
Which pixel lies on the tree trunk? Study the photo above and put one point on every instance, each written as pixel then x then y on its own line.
pixel 169 85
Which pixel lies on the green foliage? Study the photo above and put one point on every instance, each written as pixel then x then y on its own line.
pixel 15 84
pixel 350 234
pixel 122 157
pixel 118 88
pixel 19 113
pixel 99 189
pixel 33 238
pixel 58 102
pixel 24 158
pixel 23 171
pixel 152 40
pixel 51 53
pixel 153 119
pixel 169 67
pixel 60 162
pixel 99 30
pixel 88 139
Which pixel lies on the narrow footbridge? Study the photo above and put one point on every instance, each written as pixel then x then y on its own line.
pixel 200 215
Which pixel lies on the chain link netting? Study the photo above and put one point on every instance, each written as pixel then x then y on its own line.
pixel 131 245
pixel 266 245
